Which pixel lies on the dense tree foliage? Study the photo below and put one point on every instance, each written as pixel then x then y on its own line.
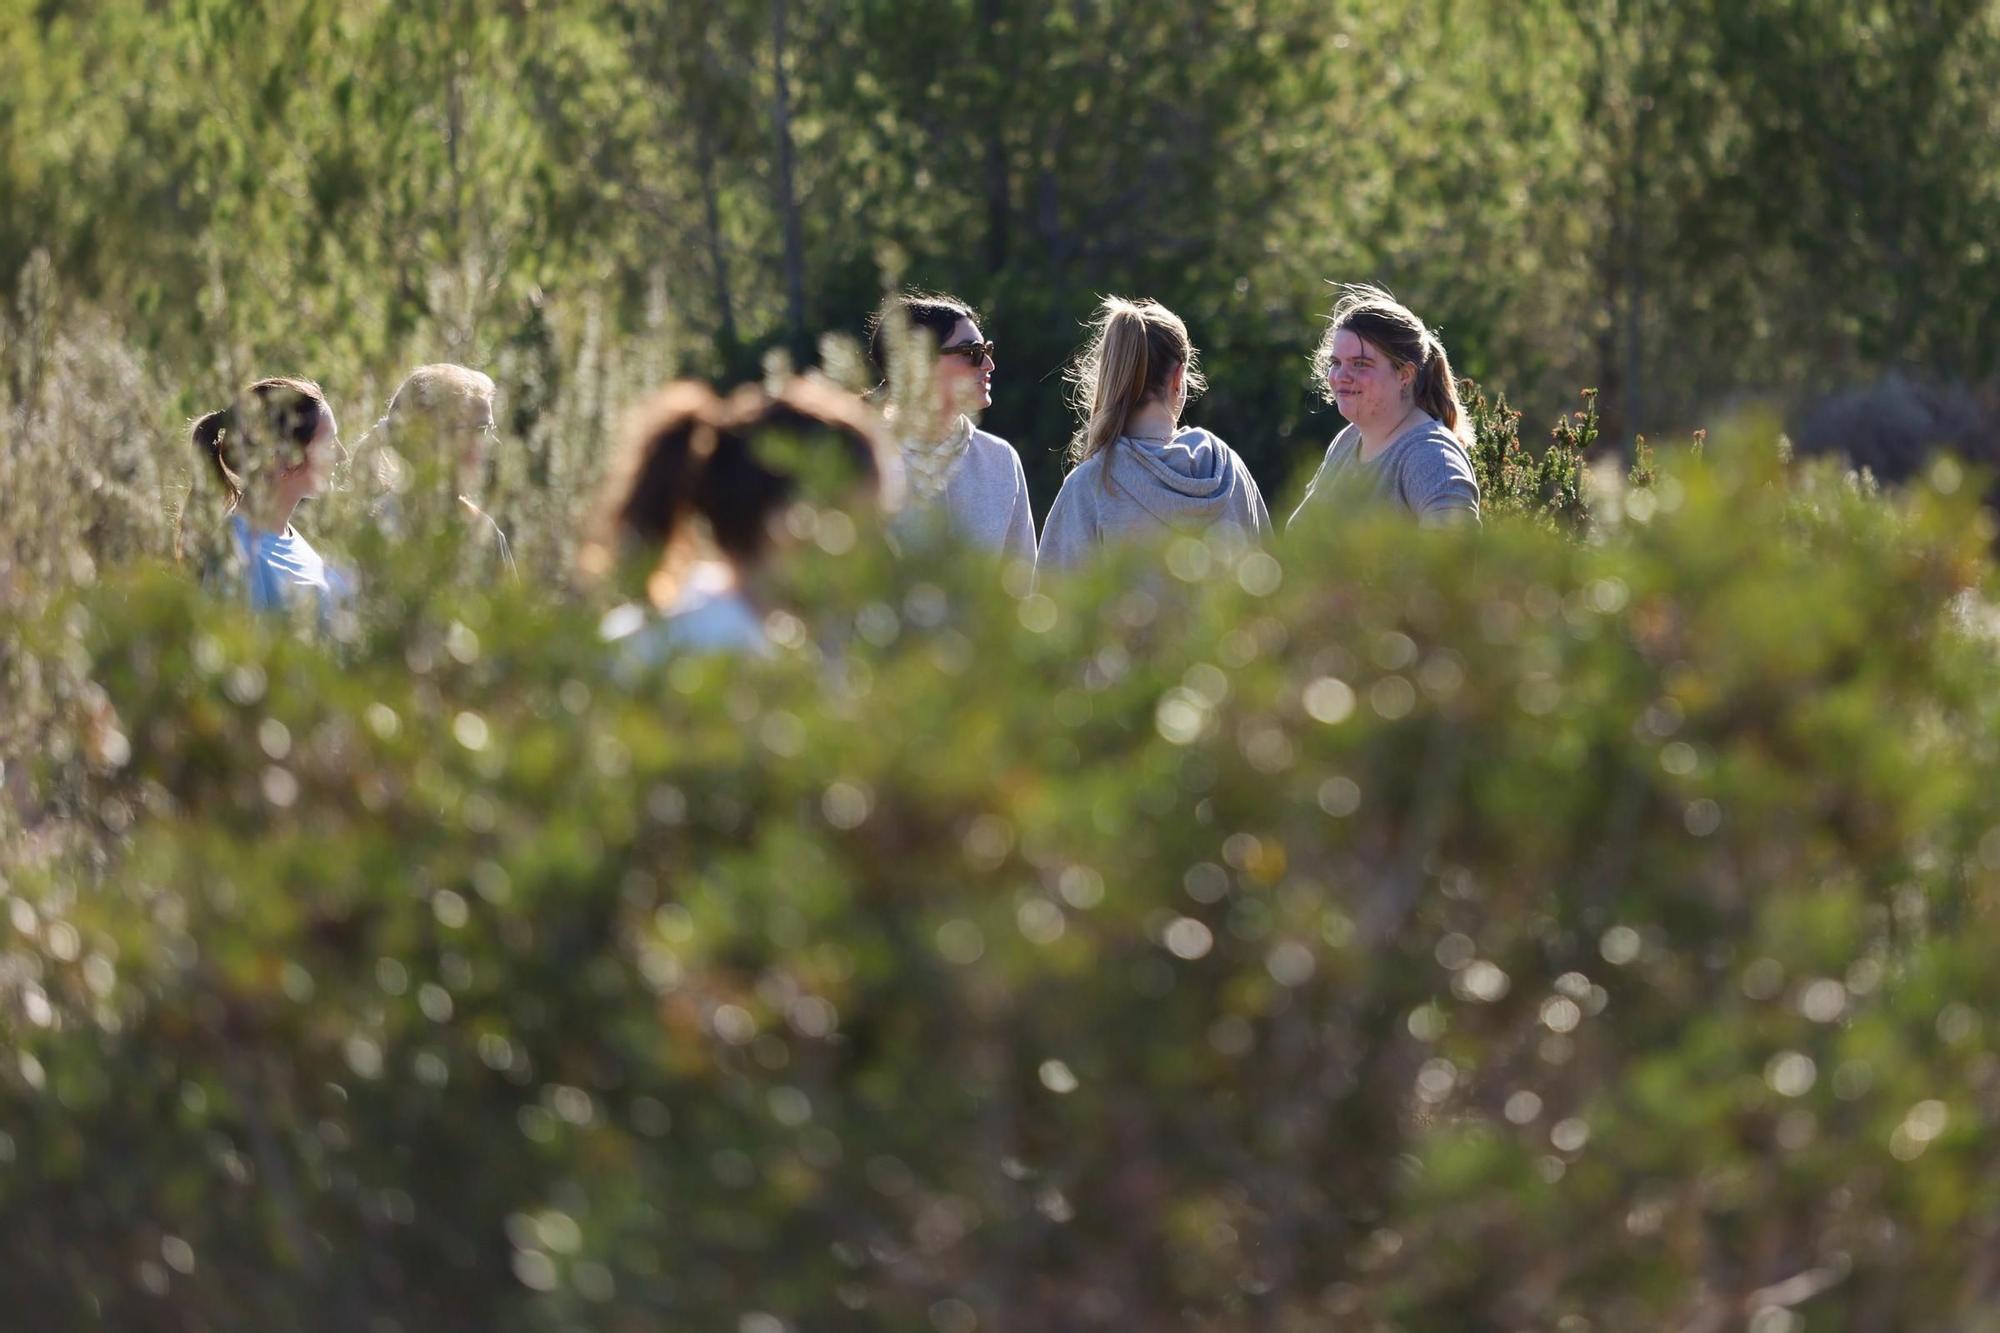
pixel 1670 201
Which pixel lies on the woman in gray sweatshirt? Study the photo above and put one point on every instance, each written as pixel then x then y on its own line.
pixel 1408 439
pixel 1136 471
pixel 962 480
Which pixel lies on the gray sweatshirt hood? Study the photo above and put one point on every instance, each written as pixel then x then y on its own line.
pixel 1150 488
pixel 1192 476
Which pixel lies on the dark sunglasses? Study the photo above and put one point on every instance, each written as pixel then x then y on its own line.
pixel 974 353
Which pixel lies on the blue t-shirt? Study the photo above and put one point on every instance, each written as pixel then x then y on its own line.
pixel 279 567
pixel 722 623
pixel 709 616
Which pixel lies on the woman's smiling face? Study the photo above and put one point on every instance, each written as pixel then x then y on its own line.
pixel 1367 386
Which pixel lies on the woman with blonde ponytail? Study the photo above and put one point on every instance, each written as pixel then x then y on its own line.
pixel 1135 470
pixel 1407 439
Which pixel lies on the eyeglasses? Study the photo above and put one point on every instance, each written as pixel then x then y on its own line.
pixel 974 353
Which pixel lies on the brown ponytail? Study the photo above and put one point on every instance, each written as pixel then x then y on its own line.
pixel 650 488
pixel 1436 391
pixel 1378 319
pixel 691 455
pixel 1134 349
pixel 209 433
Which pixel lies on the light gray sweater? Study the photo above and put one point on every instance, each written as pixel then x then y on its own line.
pixel 1425 470
pixel 1144 488
pixel 983 500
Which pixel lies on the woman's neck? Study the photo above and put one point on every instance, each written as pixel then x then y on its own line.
pixel 955 429
pixel 1152 421
pixel 751 583
pixel 273 516
pixel 1379 435
pixel 683 575
pixel 932 427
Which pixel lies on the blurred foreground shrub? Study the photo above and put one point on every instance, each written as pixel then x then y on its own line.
pixel 1413 931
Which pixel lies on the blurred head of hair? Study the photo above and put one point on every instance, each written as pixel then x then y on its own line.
pixel 700 474
pixel 1896 425
pixel 440 420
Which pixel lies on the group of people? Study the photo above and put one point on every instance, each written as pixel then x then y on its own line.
pixel 698 496
pixel 276 446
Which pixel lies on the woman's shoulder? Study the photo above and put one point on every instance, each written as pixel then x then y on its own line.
pixel 986 442
pixel 701 621
pixel 1196 436
pixel 1436 434
pixel 1086 470
pixel 722 622
pixel 1434 473
pixel 1080 489
pixel 1430 441
pixel 991 453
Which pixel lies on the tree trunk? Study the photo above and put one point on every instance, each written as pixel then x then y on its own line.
pixel 1635 243
pixel 999 201
pixel 718 255
pixel 788 204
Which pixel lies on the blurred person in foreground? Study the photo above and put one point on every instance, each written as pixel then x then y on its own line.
pixel 1407 441
pixel 432 449
pixel 710 497
pixel 937 377
pixel 1136 471
pixel 270 450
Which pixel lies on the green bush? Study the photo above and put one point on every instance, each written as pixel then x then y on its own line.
pixel 1418 931
pixel 1514 481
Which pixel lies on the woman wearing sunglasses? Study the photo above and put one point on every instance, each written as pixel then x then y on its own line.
pixel 961 479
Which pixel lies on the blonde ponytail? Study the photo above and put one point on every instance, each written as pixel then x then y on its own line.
pixel 1134 349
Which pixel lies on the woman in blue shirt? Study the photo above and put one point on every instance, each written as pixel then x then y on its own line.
pixel 271 449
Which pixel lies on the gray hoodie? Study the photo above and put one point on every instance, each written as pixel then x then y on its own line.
pixel 1145 488
pixel 981 498
pixel 1425 470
